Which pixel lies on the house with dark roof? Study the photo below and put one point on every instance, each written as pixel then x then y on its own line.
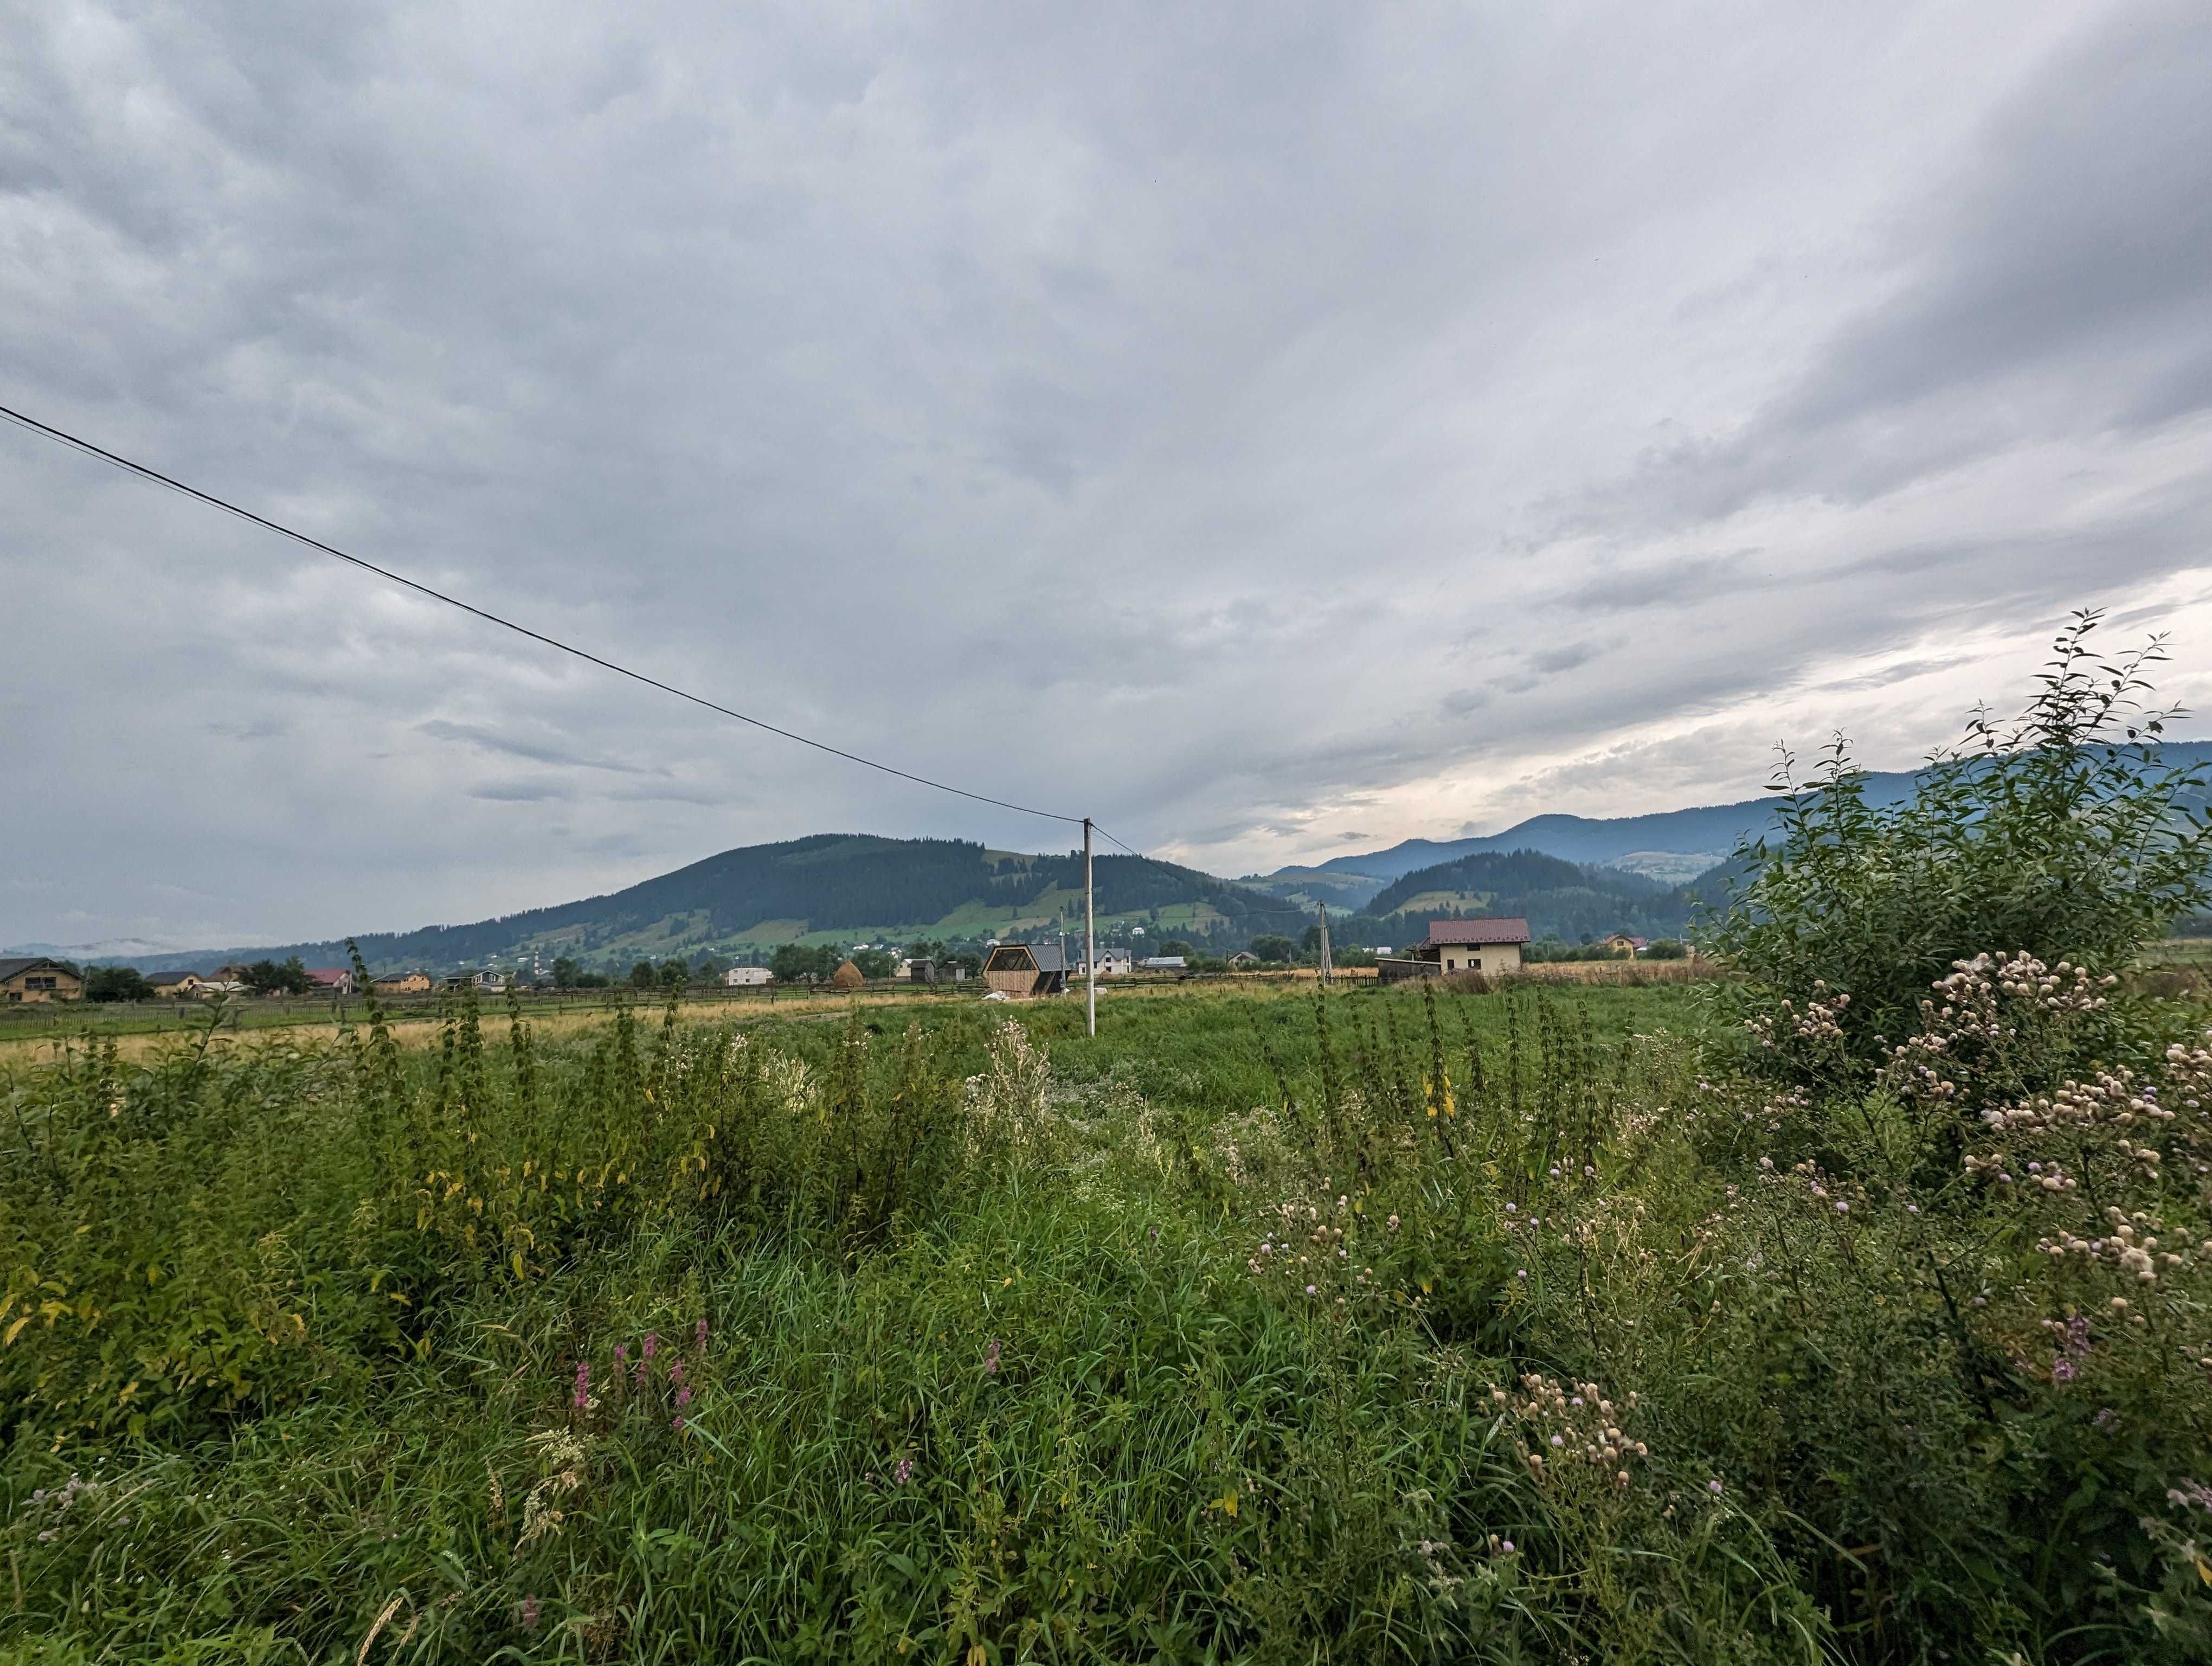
pixel 1027 969
pixel 27 978
pixel 1454 947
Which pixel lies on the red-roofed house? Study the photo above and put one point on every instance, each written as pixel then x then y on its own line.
pixel 331 980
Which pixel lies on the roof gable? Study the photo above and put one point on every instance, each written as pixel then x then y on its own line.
pixel 1022 957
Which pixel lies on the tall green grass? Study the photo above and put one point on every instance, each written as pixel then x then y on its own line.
pixel 1243 1331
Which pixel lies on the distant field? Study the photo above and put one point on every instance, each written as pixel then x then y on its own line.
pixel 31 1035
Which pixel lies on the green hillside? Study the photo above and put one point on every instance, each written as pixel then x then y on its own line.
pixel 1566 900
pixel 829 887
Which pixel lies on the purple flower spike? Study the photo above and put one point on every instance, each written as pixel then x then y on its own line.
pixel 583 1383
pixel 622 1355
pixel 699 1337
pixel 905 1472
pixel 2062 1369
pixel 991 1358
pixel 652 1345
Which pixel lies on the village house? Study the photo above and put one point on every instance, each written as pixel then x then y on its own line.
pixel 1113 963
pixel 177 986
pixel 1161 962
pixel 1453 947
pixel 1243 960
pixel 35 978
pixel 746 977
pixel 1622 943
pixel 402 983
pixel 330 980
pixel 1026 970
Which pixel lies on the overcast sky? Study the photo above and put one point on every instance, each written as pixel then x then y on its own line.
pixel 1275 430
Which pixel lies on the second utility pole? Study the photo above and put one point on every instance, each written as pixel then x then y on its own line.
pixel 1089 937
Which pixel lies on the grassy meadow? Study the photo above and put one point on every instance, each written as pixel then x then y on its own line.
pixel 1390 1324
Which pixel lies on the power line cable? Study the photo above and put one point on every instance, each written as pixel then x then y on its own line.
pixel 76 442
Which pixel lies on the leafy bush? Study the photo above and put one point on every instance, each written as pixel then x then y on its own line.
pixel 2060 834
pixel 107 984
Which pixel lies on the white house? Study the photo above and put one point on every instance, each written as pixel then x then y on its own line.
pixel 1113 963
pixel 742 977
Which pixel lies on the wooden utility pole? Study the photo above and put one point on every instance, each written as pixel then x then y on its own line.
pixel 1323 907
pixel 1089 939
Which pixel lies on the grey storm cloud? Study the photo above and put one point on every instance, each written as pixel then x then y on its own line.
pixel 1266 428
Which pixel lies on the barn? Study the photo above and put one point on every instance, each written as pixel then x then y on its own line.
pixel 1027 969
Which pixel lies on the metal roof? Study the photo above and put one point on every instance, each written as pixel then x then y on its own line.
pixel 1046 956
pixel 10 967
pixel 1476 931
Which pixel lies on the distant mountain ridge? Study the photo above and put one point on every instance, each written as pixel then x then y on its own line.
pixel 1708 829
pixel 863 884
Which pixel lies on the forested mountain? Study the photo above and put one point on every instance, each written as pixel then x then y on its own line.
pixel 829 883
pixel 1561 899
pixel 1710 830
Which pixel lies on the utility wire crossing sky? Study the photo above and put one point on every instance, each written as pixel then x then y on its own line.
pixel 1292 428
